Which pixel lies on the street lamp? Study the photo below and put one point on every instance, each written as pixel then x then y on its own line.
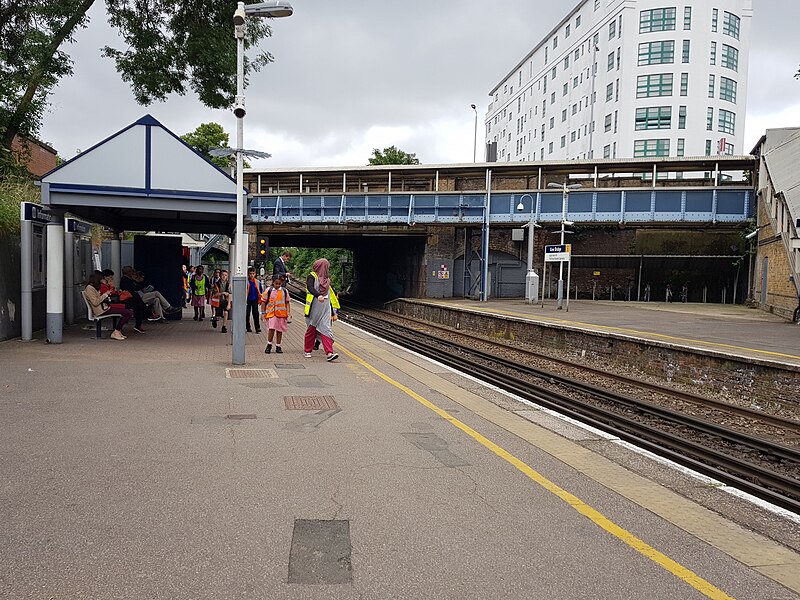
pixel 531 278
pixel 475 139
pixel 565 189
pixel 271 9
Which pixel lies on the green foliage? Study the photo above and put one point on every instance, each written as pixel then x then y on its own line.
pixel 392 156
pixel 304 258
pixel 168 47
pixel 206 137
pixel 15 187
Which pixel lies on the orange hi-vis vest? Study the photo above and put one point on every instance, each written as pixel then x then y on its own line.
pixel 275 304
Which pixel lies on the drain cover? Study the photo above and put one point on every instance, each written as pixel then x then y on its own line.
pixel 310 403
pixel 250 374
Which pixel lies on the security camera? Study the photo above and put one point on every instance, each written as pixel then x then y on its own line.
pixel 238 17
pixel 751 235
pixel 239 110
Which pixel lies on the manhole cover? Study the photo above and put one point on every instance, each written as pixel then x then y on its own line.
pixel 250 374
pixel 310 403
pixel 240 417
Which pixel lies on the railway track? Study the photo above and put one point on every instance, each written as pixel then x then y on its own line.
pixel 720 452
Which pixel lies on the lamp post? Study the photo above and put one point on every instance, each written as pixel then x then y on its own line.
pixel 271 9
pixel 531 278
pixel 565 193
pixel 475 139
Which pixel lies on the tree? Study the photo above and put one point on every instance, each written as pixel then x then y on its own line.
pixel 169 47
pixel 206 137
pixel 392 156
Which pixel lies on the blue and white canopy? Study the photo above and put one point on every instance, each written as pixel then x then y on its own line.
pixel 144 177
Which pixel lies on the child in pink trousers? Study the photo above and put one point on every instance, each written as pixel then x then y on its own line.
pixel 277 312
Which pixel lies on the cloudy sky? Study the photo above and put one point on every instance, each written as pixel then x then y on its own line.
pixel 350 77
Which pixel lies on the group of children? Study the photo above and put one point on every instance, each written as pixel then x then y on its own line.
pixel 272 304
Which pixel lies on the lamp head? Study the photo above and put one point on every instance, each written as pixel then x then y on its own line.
pixel 238 17
pixel 472 106
pixel 273 9
pixel 520 206
pixel 568 223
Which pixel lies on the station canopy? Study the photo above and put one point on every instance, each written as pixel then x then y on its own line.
pixel 144 178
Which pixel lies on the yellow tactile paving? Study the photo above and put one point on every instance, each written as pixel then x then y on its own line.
pixel 763 555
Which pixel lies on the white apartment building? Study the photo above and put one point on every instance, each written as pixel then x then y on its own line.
pixel 628 78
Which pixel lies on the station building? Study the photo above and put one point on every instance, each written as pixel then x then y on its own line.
pixel 627 78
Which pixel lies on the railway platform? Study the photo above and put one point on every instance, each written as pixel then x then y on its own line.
pixel 152 468
pixel 726 329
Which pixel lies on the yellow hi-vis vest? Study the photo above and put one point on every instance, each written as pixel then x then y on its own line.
pixel 310 297
pixel 275 303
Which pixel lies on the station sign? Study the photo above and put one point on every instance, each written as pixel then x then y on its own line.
pixel 75 226
pixel 557 253
pixel 36 213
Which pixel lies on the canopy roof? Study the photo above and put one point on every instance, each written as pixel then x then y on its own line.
pixel 144 177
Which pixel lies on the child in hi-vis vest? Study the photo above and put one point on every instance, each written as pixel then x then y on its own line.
pixel 277 312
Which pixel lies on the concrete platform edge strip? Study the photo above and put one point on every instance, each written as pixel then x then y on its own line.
pixel 771 559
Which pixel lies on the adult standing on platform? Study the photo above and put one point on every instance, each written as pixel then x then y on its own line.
pixel 280 266
pixel 321 307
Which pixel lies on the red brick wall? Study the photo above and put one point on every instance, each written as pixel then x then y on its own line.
pixel 38 158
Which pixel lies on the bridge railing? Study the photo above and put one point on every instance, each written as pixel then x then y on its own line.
pixel 628 205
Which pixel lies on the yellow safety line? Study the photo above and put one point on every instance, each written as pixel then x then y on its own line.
pixel 620 329
pixel 687 575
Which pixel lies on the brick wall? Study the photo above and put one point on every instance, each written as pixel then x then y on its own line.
pixel 781 292
pixel 37 157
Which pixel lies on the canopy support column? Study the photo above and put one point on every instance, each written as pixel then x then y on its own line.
pixel 55 278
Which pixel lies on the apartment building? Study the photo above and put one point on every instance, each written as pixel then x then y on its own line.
pixel 628 78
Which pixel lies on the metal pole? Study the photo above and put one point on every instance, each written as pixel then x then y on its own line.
pixel 569 275
pixel 55 279
pixel 26 273
pixel 239 277
pixel 69 276
pixel 475 140
pixel 560 304
pixel 485 239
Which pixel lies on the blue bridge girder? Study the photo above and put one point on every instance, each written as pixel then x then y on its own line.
pixel 691 204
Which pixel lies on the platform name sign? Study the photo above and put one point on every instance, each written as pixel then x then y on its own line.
pixel 557 253
pixel 36 213
pixel 78 227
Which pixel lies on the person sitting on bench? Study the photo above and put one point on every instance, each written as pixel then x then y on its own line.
pixel 133 282
pixel 125 298
pixel 101 304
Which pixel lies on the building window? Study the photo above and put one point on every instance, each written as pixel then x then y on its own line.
pixel 681 146
pixel 552 122
pixel 563 141
pixel 574 109
pixel 596 4
pixel 616 120
pixel 713 53
pixel 686 48
pixel 612 29
pixel 648 148
pixel 572 137
pixel 657 53
pixel 708 147
pixel 575 83
pixel 684 84
pixel 682 117
pixel 565 89
pixel 609 92
pixel 619 56
pixel 730 24
pixel 711 85
pixel 545 54
pixel 577 21
pixel 567 31
pixel 727 121
pixel 607 151
pixel 654 117
pixel 727 89
pixel 687 18
pixel 596 40
pixel 730 57
pixel 563 115
pixel 710 119
pixel 553 98
pixel 555 42
pixel 650 86
pixel 550 148
pixel 553 72
pixel 657 19
pixel 578 53
pixel 611 61
pixel 714 19
pixel 608 122
pixel 728 149
pixel 566 62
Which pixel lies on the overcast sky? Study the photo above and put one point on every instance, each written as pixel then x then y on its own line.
pixel 350 77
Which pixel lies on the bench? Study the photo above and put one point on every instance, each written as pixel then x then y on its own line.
pixel 98 318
